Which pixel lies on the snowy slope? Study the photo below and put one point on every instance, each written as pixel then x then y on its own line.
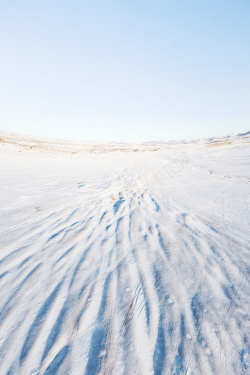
pixel 124 259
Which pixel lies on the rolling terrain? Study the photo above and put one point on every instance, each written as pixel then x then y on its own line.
pixel 124 259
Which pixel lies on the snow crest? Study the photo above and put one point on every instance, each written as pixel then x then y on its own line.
pixel 125 263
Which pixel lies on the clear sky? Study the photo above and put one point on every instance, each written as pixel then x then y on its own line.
pixel 125 70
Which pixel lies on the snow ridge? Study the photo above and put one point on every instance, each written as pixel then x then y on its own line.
pixel 125 263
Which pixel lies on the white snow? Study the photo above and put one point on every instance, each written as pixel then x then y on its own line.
pixel 124 258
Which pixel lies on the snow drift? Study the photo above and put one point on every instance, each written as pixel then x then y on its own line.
pixel 124 259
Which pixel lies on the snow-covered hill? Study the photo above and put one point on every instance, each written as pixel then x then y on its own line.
pixel 124 258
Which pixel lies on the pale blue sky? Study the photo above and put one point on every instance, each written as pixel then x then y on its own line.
pixel 125 70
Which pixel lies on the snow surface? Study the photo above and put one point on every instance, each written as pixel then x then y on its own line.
pixel 124 258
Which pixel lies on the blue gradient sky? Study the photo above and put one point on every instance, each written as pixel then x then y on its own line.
pixel 125 70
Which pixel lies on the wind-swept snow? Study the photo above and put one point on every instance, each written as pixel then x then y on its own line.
pixel 124 262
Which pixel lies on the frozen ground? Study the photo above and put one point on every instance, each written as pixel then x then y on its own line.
pixel 124 259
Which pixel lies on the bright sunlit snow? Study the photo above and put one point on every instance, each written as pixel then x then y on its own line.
pixel 124 258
